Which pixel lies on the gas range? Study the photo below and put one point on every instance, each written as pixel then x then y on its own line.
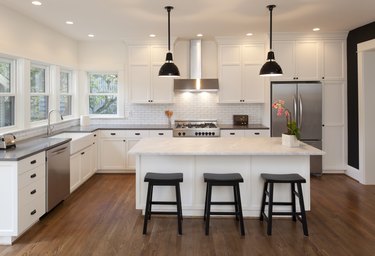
pixel 196 128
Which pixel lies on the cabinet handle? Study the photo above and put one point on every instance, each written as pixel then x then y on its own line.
pixel 94 135
pixel 33 212
pixel 137 133
pixel 93 143
pixel 124 140
pixel 113 133
pixel 232 133
pixel 33 162
pixel 32 176
pixel 323 77
pixel 160 133
pixel 82 153
pixel 256 133
pixel 33 192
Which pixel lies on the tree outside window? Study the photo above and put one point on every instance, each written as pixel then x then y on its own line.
pixel 66 93
pixel 103 93
pixel 38 93
pixel 7 97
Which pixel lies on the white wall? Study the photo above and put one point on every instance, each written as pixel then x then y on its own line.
pixel 26 38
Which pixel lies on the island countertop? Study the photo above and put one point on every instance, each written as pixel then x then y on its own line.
pixel 220 146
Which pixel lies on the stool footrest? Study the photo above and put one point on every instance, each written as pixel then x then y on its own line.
pixel 222 203
pixel 223 213
pixel 164 202
pixel 280 203
pixel 166 213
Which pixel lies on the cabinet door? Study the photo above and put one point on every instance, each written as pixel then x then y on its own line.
pixel 232 133
pixel 75 171
pixel 253 84
pixel 112 154
pixel 95 152
pixel 139 82
pixel 285 56
pixel 86 163
pixel 307 60
pixel 161 87
pixel 333 60
pixel 257 133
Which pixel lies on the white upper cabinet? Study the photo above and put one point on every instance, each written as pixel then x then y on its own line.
pixel 145 84
pixel 333 60
pixel 299 60
pixel 239 78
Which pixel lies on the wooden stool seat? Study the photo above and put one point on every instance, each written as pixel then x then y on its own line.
pixel 227 179
pixel 292 178
pixel 163 179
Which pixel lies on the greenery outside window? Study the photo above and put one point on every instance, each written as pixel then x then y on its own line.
pixel 66 97
pixel 7 93
pixel 39 92
pixel 103 93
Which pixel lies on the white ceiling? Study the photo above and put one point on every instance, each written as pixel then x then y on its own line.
pixel 136 19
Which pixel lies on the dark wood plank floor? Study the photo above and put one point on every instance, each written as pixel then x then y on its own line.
pixel 100 219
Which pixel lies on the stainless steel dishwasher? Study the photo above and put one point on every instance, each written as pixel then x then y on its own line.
pixel 57 175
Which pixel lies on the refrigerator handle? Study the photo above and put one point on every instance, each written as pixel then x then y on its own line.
pixel 294 107
pixel 300 111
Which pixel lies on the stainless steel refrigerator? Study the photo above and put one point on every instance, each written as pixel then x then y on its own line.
pixel 304 101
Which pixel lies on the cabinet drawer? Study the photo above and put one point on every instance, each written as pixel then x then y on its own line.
pixel 31 192
pixel 30 213
pixel 112 133
pixel 260 133
pixel 31 176
pixel 136 133
pixel 161 133
pixel 31 162
pixel 232 133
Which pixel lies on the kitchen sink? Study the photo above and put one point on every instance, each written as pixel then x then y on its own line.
pixel 79 140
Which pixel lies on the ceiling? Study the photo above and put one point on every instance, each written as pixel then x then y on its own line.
pixel 136 19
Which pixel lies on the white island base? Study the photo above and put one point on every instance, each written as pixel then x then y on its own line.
pixel 159 155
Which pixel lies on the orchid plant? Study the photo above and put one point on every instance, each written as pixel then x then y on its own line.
pixel 291 124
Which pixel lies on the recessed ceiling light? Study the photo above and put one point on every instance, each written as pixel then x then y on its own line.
pixel 69 22
pixel 316 29
pixel 36 3
pixel 90 35
pixel 249 34
pixel 199 35
pixel 152 35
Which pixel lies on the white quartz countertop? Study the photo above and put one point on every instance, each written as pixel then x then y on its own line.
pixel 220 146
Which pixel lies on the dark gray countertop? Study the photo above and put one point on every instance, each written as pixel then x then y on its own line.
pixel 243 127
pixel 30 147
pixel 26 148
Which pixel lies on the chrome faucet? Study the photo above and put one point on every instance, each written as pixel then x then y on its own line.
pixel 49 127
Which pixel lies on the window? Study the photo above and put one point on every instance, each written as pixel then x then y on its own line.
pixel 7 92
pixel 66 93
pixel 39 82
pixel 103 93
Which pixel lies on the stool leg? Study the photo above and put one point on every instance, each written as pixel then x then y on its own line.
pixel 236 201
pixel 239 206
pixel 205 204
pixel 303 213
pixel 263 201
pixel 179 208
pixel 209 192
pixel 270 206
pixel 147 208
pixel 292 189
pixel 151 196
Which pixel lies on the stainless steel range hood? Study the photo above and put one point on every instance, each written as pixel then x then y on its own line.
pixel 196 83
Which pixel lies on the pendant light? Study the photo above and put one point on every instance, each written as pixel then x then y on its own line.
pixel 169 69
pixel 271 68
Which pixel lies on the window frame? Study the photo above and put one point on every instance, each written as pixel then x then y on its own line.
pixel 117 94
pixel 47 91
pixel 69 93
pixel 13 90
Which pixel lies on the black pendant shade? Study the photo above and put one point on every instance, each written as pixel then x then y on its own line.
pixel 169 69
pixel 271 68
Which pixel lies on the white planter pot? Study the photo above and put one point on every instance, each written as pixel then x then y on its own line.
pixel 289 140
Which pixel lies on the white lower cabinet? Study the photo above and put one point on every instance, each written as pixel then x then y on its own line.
pixel 81 167
pixel 245 133
pixel 22 195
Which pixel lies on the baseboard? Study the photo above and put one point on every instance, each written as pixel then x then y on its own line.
pixel 353 173
pixel 333 171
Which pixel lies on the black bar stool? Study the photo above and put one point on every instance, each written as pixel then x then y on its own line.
pixel 228 179
pixel 293 179
pixel 163 179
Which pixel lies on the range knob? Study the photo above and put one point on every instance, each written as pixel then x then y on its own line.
pixel 210 133
pixel 183 134
pixel 206 133
pixel 213 133
pixel 196 133
pixel 199 133
pixel 179 134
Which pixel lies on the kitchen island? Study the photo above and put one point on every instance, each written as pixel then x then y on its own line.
pixel 194 156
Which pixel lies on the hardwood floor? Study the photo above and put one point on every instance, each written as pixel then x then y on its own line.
pixel 100 219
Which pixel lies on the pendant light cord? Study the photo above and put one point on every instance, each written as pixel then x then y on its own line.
pixel 169 8
pixel 270 7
